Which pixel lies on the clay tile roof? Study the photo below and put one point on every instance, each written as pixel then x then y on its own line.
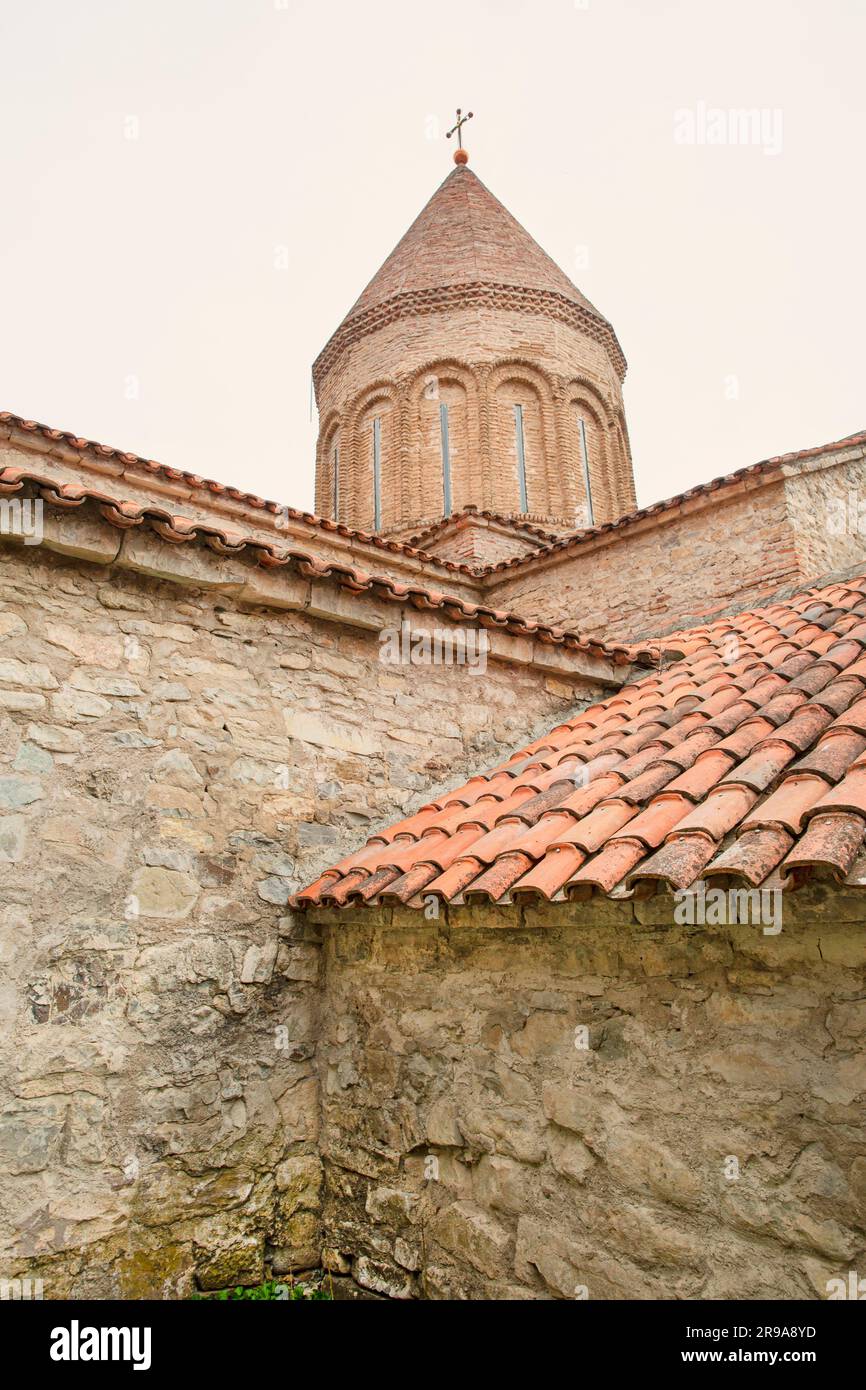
pixel 141 469
pixel 753 771
pixel 183 530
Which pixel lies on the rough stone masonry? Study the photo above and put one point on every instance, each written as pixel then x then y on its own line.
pixel 172 764
pixel 592 1102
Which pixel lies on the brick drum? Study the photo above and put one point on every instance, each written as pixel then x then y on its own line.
pixel 468 311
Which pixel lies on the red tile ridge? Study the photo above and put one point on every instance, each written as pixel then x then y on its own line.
pixel 123 513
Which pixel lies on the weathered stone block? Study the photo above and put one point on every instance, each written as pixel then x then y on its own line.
pixel 299 1183
pixel 239 1261
pixel 388 1280
pixel 568 1155
pixel 472 1234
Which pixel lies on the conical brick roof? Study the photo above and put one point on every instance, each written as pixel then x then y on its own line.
pixel 464 236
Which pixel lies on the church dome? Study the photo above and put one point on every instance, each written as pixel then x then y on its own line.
pixel 471 371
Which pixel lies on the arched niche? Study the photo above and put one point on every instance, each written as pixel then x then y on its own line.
pixel 331 500
pixel 442 402
pixel 587 424
pixel 520 445
pixel 375 474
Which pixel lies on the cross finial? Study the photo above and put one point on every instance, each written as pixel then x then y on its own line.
pixel 460 155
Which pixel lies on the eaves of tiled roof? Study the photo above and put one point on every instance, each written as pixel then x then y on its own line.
pixel 743 762
pixel 766 469
pixel 32 432
pixel 62 440
pixel 125 514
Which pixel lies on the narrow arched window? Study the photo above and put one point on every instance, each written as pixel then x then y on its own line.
pixel 520 485
pixel 584 459
pixel 520 444
pixel 445 441
pixel 377 473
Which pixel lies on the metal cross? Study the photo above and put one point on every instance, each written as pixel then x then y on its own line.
pixel 461 121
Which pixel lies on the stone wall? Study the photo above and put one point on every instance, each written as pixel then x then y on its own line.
pixel 827 508
pixel 588 1101
pixel 672 570
pixel 714 552
pixel 173 762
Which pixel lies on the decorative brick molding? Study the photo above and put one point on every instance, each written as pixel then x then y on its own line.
pixel 470 296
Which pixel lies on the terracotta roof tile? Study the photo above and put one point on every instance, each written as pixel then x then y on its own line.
pixel 743 739
pixel 549 874
pixel 179 529
pixel 693 771
pixel 709 769
pixel 832 841
pixel 763 766
pixel 834 752
pixel 652 825
pixel 451 883
pixel 804 727
pixel 724 808
pixel 581 802
pixel 848 795
pixel 752 856
pixel 410 884
pixel 642 787
pixel 780 709
pixel 838 695
pixel 593 830
pixel 608 868
pixel 853 718
pixel 678 863
pixel 499 877
pixel 787 806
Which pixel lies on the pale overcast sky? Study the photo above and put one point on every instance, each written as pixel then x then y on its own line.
pixel 195 191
